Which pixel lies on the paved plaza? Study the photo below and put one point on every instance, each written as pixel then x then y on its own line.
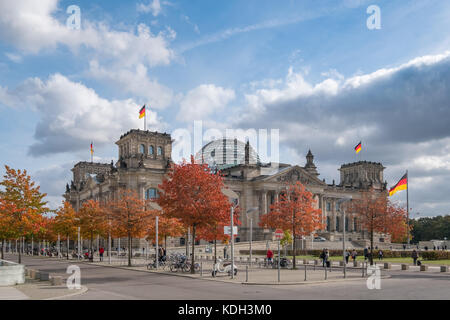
pixel 120 282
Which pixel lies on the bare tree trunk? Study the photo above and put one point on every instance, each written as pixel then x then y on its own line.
pixel 295 251
pixel 193 250
pixel 215 251
pixel 20 255
pixel 68 243
pixel 3 248
pixel 129 249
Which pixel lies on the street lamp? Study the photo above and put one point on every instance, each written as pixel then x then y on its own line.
pixel 155 206
pixel 341 201
pixel 250 214
pixel 232 197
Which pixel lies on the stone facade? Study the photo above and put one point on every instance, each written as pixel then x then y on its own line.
pixel 144 159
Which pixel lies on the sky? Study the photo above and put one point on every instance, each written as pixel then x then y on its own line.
pixel 312 69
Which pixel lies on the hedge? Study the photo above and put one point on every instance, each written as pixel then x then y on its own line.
pixel 426 255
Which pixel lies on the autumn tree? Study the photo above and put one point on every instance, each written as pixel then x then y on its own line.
pixel 129 217
pixel 193 194
pixel 215 232
pixel 7 210
pixel 374 214
pixel 26 199
pixel 90 218
pixel 65 223
pixel 167 227
pixel 396 224
pixel 294 211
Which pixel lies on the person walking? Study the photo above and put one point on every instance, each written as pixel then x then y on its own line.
pixel 415 256
pixel 366 254
pixel 354 254
pixel 322 256
pixel 347 256
pixel 101 251
pixel 269 256
pixel 225 253
pixel 380 255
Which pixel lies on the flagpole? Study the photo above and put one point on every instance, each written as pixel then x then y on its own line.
pixel 407 204
pixel 145 119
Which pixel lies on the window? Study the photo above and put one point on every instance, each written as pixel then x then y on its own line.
pixel 355 225
pixel 151 150
pixel 338 223
pixel 159 151
pixel 338 207
pixel 346 225
pixel 328 206
pixel 142 149
pixel 328 224
pixel 151 194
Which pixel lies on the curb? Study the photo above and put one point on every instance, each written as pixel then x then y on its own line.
pixel 244 283
pixel 83 290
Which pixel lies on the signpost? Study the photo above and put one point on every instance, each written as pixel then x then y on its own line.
pixel 279 236
pixel 227 230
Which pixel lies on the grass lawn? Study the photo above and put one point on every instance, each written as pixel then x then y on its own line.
pixel 393 260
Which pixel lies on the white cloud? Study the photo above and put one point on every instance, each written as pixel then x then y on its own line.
pixel 31 26
pixel 134 80
pixel 203 101
pixel 71 114
pixel 153 7
pixel 14 57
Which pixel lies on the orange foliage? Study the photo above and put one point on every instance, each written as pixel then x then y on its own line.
pixel 295 212
pixel 193 195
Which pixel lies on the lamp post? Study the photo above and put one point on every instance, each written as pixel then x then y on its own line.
pixel 341 201
pixel 155 206
pixel 109 242
pixel 232 197
pixel 250 214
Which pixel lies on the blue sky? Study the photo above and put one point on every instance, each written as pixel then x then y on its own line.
pixel 309 68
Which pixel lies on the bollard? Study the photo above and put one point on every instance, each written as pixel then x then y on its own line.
pixel 326 276
pixel 305 272
pixel 201 269
pixel 444 268
pixel 423 268
pixel 405 266
pixel 355 264
pixel 56 281
pixel 246 272
pixel 362 269
pixel 44 276
pixel 341 263
pixel 387 265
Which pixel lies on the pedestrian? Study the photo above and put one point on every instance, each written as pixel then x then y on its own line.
pixel 347 256
pixel 354 254
pixel 269 256
pixel 415 256
pixel 380 255
pixel 323 257
pixel 366 254
pixel 225 253
pixel 101 251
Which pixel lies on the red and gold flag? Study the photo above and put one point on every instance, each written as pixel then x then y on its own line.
pixel 358 148
pixel 142 112
pixel 401 185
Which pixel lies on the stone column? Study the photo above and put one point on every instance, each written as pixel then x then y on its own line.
pixel 264 195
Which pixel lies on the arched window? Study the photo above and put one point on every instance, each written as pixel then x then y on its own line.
pixel 142 149
pixel 159 151
pixel 151 194
pixel 151 150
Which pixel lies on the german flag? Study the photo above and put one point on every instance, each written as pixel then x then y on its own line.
pixel 92 148
pixel 142 112
pixel 358 148
pixel 401 185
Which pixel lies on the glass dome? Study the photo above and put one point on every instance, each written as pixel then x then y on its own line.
pixel 225 153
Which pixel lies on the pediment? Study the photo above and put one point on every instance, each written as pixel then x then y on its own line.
pixel 294 174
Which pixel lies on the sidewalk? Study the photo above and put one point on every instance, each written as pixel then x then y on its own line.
pixel 38 290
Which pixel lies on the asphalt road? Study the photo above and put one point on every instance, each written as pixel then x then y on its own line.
pixel 118 284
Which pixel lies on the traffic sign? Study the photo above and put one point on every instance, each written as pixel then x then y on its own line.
pixel 226 230
pixel 279 234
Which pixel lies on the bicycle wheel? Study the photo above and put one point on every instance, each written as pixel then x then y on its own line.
pixel 174 268
pixel 186 267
